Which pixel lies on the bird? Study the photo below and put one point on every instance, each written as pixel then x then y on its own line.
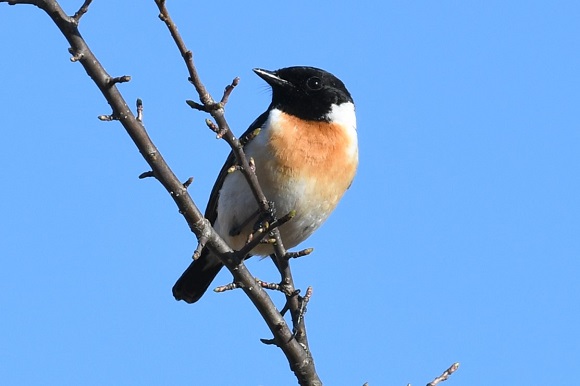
pixel 305 156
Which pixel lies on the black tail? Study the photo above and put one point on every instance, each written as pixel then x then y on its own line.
pixel 197 277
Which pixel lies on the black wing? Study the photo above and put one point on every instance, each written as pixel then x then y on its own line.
pixel 211 209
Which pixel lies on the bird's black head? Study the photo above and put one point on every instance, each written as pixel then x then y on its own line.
pixel 305 92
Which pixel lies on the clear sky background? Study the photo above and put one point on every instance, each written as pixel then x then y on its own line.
pixel 458 241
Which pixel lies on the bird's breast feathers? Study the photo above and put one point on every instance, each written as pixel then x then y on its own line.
pixel 305 166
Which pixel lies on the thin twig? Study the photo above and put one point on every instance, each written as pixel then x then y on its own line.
pixel 445 375
pixel 147 174
pixel 139 105
pixel 228 90
pixel 295 255
pixel 82 10
pixel 188 182
pixel 227 287
pixel 187 55
pixel 201 242
pixel 304 302
pixel 108 118
pixel 258 236
pixel 119 79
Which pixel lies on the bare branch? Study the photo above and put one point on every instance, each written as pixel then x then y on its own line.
pixel 75 56
pixel 445 375
pixel 195 105
pixel 201 242
pixel 139 104
pixel 108 118
pixel 16 2
pixel 228 91
pixel 146 175
pixel 82 10
pixel 227 287
pixel 159 168
pixel 119 79
pixel 295 255
pixel 296 350
pixel 249 136
pixel 304 302
pixel 188 182
pixel 204 96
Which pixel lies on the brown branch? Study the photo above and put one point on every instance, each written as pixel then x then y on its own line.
pixel 108 118
pixel 445 375
pixel 188 182
pixel 296 350
pixel 139 105
pixel 295 255
pixel 82 10
pixel 119 79
pixel 187 55
pixel 135 129
pixel 228 91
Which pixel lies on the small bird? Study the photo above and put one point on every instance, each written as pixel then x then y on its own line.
pixel 306 156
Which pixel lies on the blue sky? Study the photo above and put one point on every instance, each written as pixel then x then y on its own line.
pixel 458 241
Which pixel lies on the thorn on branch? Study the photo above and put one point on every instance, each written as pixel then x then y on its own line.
pixel 238 229
pixel 270 286
pixel 227 287
pixel 228 91
pixel 207 108
pixel 200 245
pixel 284 219
pixel 278 287
pixel 139 110
pixel 295 255
pixel 252 164
pixel 188 182
pixel 213 127
pixel 248 137
pixel 148 174
pixel 286 307
pixel 82 10
pixel 195 105
pixel 234 168
pixel 119 79
pixel 445 375
pixel 303 304
pixel 108 118
pixel 261 227
pixel 76 56
pixel 270 342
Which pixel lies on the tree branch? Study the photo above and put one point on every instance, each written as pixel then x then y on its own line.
pixel 445 375
pixel 296 350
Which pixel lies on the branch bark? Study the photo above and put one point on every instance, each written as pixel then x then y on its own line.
pixel 293 344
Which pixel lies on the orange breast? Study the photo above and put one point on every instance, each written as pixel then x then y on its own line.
pixel 324 154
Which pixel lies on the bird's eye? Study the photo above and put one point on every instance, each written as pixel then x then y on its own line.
pixel 314 83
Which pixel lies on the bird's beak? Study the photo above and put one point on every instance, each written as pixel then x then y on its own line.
pixel 271 78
